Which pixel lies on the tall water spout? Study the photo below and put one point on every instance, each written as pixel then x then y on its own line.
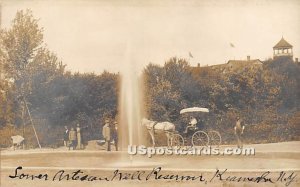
pixel 130 104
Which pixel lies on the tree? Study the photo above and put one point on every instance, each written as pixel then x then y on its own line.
pixel 30 66
pixel 20 45
pixel 53 96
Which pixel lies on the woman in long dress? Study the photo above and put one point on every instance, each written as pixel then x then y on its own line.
pixel 79 143
pixel 79 136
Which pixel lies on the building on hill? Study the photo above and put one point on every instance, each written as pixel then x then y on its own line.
pixel 283 49
pixel 238 65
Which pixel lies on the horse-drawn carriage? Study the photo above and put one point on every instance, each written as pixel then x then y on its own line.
pixel 195 135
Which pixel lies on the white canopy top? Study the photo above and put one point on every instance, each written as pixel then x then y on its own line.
pixel 194 109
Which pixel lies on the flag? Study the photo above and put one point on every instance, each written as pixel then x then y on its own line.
pixel 231 45
pixel 190 54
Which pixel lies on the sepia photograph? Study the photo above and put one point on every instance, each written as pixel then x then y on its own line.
pixel 149 93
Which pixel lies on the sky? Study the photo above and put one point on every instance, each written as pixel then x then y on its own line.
pixel 93 36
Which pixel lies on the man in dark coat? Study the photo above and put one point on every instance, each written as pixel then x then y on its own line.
pixel 66 136
pixel 238 131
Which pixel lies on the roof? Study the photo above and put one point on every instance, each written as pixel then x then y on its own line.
pixel 239 65
pixel 245 62
pixel 282 43
pixel 194 109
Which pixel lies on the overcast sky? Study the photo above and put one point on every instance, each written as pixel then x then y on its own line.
pixel 90 36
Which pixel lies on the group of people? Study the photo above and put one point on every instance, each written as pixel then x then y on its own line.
pixel 73 137
pixel 110 134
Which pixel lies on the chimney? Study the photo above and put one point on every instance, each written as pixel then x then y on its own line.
pixel 248 58
pixel 296 60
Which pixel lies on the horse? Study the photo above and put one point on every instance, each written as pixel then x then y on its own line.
pixel 159 127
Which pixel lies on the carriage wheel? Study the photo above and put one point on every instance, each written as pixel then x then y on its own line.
pixel 214 138
pixel 177 140
pixel 200 138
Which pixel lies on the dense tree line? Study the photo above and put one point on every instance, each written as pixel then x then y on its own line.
pixel 32 76
pixel 266 97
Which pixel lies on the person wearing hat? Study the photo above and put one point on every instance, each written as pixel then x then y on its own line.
pixel 238 131
pixel 66 136
pixel 114 134
pixel 106 132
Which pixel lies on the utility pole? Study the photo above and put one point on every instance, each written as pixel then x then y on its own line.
pixel 0 30
pixel 23 119
pixel 37 138
pixel 0 14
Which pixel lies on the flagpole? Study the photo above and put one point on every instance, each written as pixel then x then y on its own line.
pixel 190 56
pixel 233 52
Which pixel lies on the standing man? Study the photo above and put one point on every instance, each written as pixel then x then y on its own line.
pixel 114 134
pixel 238 131
pixel 72 138
pixel 106 134
pixel 66 136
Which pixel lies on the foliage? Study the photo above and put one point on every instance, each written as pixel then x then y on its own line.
pixel 31 73
pixel 265 97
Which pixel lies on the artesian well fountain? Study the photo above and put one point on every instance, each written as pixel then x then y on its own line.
pixel 131 112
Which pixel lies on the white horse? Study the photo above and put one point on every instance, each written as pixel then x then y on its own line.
pixel 159 127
